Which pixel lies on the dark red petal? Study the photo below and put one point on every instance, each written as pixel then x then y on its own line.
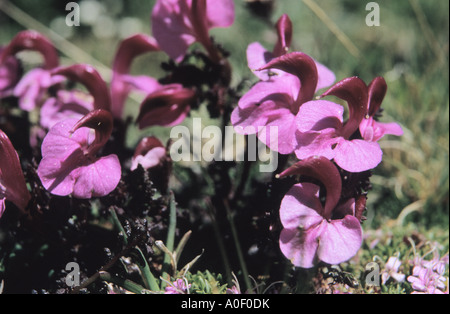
pixel 325 171
pixel 11 173
pixel 165 98
pixel 354 91
pixel 377 91
pixel 91 79
pixel 130 48
pixel 32 40
pixel 284 31
pixel 302 66
pixel 146 144
pixel 102 122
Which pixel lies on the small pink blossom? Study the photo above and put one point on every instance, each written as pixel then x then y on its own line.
pixel 177 287
pixel 391 270
pixel 313 232
pixel 149 153
pixel 33 85
pixel 10 73
pixel 370 129
pixel 70 165
pixel 177 24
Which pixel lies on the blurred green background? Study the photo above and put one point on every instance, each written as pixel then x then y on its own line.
pixel 409 49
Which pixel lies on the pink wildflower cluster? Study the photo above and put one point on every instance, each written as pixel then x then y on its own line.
pixel 315 130
pixel 321 215
pixel 428 275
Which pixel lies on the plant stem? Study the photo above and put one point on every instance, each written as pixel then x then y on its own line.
pixel 234 233
pixel 170 242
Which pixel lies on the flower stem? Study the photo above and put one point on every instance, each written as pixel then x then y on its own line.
pixel 234 233
pixel 170 238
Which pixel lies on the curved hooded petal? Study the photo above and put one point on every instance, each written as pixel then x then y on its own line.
pixel 149 153
pixel 12 181
pixel 166 106
pixel 340 240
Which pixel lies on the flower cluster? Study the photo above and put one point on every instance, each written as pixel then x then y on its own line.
pixel 314 129
pixel 81 129
pixel 428 275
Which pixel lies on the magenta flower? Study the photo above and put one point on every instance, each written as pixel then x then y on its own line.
pixel 323 132
pixel 258 56
pixel 312 231
pixel 70 165
pixel 12 182
pixel 167 106
pixel 10 72
pixel 122 82
pixel 428 275
pixel 275 104
pixel 33 85
pixel 149 153
pixel 391 270
pixel 75 104
pixel 179 286
pixel 177 24
pixel 370 129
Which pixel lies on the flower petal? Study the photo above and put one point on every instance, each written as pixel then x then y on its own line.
pixel 358 155
pixel 340 240
pixel 97 179
pixel 301 207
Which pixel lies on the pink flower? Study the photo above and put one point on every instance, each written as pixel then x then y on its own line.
pixel 287 81
pixel 313 232
pixel 32 86
pixel 122 82
pixel 70 165
pixel 370 129
pixel 323 132
pixel 428 275
pixel 65 105
pixel 275 103
pixel 149 153
pixel 75 104
pixel 179 286
pixel 391 270
pixel 177 24
pixel 258 56
pixel 166 106
pixel 10 73
pixel 12 182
